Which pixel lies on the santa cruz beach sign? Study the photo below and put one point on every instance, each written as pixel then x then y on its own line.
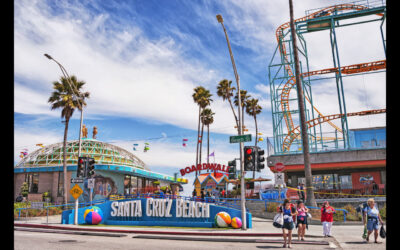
pixel 157 212
pixel 205 166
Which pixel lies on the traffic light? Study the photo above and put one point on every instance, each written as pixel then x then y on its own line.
pixel 232 169
pixel 260 159
pixel 80 172
pixel 90 167
pixel 249 158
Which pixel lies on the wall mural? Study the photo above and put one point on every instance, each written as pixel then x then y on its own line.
pixel 104 186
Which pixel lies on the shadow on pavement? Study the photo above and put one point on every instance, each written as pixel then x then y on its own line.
pixel 269 247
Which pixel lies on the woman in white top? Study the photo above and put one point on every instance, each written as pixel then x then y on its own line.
pixel 371 217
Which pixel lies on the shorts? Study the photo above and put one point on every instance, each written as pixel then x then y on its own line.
pixel 372 225
pixel 301 220
pixel 288 225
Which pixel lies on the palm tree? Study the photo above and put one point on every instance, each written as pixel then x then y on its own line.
pixel 253 109
pixel 225 91
pixel 243 98
pixel 201 97
pixel 207 119
pixel 65 98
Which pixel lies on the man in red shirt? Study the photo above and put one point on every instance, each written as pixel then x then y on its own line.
pixel 327 218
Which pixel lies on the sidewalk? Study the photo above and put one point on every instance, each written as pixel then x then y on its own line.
pixel 345 236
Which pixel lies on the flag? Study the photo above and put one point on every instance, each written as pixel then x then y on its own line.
pixel 212 154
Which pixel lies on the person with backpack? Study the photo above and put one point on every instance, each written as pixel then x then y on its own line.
pixel 371 216
pixel 327 218
pixel 288 211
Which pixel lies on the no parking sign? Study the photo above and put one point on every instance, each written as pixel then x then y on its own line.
pixel 279 178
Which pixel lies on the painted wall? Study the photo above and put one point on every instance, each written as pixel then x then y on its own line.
pixel 364 179
pixel 144 220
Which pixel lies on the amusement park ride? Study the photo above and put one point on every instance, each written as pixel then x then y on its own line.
pixel 282 78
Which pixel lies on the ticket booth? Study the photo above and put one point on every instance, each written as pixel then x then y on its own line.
pixel 210 182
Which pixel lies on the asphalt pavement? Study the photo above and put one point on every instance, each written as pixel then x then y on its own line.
pixel 344 236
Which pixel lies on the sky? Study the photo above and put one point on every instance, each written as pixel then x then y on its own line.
pixel 141 60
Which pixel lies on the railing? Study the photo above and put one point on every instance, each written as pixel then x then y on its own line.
pixel 309 207
pixel 366 3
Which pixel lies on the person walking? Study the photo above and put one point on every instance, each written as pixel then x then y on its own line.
pixel 302 223
pixel 288 211
pixel 327 218
pixel 371 216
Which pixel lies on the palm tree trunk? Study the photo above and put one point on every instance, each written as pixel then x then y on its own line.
pixel 243 119
pixel 197 140
pixel 310 201
pixel 65 160
pixel 255 121
pixel 201 143
pixel 234 114
pixel 208 143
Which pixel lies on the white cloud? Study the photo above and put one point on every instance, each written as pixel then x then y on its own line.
pixel 27 138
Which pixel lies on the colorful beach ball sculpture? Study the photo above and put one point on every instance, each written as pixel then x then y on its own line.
pixel 222 219
pixel 93 215
pixel 236 222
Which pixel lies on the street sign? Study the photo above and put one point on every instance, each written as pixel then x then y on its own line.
pixel 91 183
pixel 76 191
pixel 76 180
pixel 37 205
pixel 239 138
pixel 279 166
pixel 279 178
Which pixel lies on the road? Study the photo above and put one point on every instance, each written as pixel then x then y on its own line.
pixel 34 240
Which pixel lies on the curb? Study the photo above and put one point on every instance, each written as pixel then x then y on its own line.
pixel 149 231
pixel 39 230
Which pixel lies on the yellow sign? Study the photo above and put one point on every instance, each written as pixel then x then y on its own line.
pixel 76 191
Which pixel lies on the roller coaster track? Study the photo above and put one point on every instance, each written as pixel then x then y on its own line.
pixel 314 122
pixel 351 69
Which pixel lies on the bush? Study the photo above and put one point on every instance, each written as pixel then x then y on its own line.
pixel 24 189
pixel 272 207
pixel 382 212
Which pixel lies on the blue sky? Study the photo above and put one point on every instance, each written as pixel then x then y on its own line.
pixel 141 61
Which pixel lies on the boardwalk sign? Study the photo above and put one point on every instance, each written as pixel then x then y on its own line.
pixel 157 212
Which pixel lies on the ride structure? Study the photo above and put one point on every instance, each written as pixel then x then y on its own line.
pixel 285 111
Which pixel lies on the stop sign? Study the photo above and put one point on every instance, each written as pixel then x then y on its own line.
pixel 279 166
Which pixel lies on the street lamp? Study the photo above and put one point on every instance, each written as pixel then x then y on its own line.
pixel 240 129
pixel 66 76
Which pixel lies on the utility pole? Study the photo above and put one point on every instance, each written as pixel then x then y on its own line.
pixel 310 201
pixel 240 131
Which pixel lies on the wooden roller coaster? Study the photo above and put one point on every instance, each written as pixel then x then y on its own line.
pixel 294 132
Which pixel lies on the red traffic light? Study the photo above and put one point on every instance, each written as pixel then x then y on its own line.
pixel 248 151
pixel 80 161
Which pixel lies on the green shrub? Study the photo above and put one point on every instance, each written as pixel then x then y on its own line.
pixel 24 189
pixel 272 207
pixel 382 212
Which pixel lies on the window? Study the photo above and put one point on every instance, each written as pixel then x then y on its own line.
pixel 33 182
pixel 127 184
pixel 345 182
pixel 60 187
pixel 134 184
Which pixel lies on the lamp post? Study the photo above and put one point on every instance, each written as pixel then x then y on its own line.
pixel 66 76
pixel 240 129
